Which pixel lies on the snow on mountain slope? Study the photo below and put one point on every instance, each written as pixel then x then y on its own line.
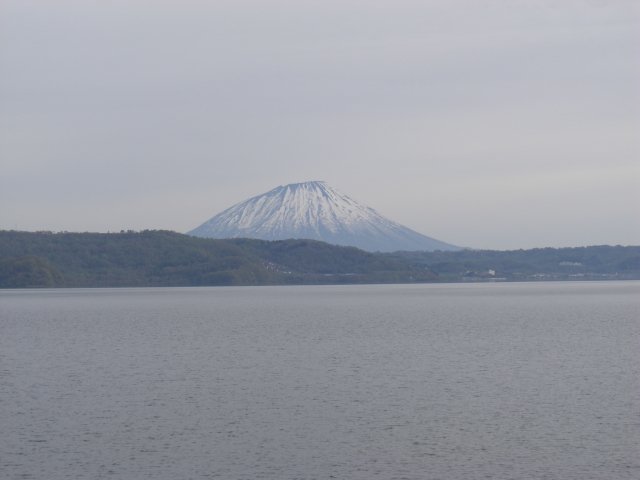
pixel 317 211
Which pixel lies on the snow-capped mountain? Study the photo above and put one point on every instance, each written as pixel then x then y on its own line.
pixel 317 211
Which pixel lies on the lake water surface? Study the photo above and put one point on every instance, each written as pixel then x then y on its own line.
pixel 464 381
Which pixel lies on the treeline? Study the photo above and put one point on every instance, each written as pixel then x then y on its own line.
pixel 604 261
pixel 164 258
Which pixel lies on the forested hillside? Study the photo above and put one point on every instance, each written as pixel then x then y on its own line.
pixel 597 262
pixel 163 258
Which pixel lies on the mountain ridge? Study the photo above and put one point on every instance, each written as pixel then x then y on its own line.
pixel 154 258
pixel 317 211
pixel 164 258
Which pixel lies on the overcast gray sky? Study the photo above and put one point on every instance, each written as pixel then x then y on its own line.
pixel 489 124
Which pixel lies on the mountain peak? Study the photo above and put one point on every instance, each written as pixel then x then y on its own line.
pixel 309 184
pixel 317 211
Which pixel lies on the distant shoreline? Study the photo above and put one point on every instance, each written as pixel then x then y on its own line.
pixel 162 258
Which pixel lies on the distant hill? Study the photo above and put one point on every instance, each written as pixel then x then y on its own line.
pixel 594 262
pixel 163 258
pixel 317 211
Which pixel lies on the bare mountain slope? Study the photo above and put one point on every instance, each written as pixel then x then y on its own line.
pixel 317 211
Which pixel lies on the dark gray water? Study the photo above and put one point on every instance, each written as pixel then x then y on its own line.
pixel 483 381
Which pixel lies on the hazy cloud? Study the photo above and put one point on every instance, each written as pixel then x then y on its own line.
pixel 491 124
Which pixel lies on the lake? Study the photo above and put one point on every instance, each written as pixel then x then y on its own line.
pixel 455 381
